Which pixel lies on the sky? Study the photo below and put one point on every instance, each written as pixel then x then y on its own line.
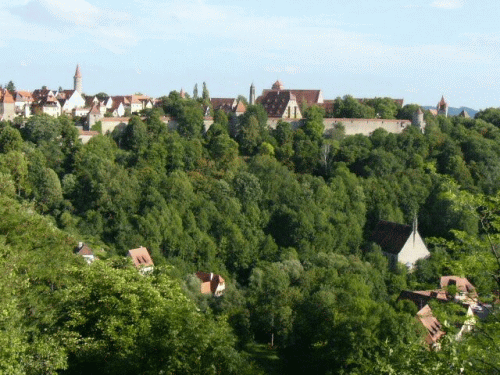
pixel 412 49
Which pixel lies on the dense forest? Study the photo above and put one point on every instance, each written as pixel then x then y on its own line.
pixel 284 215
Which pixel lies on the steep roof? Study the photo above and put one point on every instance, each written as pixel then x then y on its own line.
pixel 84 249
pixel 432 325
pixel 209 282
pixel 240 107
pixel 141 257
pixel 275 102
pixel 95 110
pixel 6 96
pixel 391 236
pixel 442 102
pixel 464 114
pixel 226 104
pixel 78 73
pixel 463 285
pixel 310 97
pixel 24 96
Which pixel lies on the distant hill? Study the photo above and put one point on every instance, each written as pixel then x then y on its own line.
pixel 456 111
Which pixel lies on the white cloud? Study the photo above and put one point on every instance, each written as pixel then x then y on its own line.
pixel 448 4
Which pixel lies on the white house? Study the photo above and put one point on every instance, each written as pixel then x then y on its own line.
pixel 400 243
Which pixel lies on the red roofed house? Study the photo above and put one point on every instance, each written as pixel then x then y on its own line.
pixel 7 105
pixel 211 283
pixel 466 292
pixel 432 326
pixel 142 260
pixel 228 105
pixel 23 100
pixel 86 252
pixel 400 243
pixel 282 103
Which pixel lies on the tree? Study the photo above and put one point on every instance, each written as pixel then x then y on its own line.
pixel 349 107
pixel 195 92
pixel 10 86
pixel 205 94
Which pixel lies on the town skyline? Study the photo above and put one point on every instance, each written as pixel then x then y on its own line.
pixel 416 50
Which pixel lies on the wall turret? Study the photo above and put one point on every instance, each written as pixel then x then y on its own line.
pixel 251 99
pixel 78 80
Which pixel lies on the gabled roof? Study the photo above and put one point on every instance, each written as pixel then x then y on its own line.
pixel 276 102
pixel 42 93
pixel 23 96
pixel 225 104
pixel 432 325
pixel 391 236
pixel 464 114
pixel 141 257
pixel 463 285
pixel 310 97
pixel 240 107
pixel 6 96
pixel 65 94
pixel 95 110
pixel 84 249
pixel 209 282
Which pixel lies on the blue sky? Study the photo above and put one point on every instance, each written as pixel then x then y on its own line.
pixel 412 49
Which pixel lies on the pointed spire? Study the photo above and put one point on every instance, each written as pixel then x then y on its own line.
pixel 78 74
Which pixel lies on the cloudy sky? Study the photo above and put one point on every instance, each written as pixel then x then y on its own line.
pixel 412 49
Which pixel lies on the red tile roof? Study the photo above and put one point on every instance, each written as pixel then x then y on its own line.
pixel 432 325
pixel 391 236
pixel 463 285
pixel 209 282
pixel 141 257
pixel 6 96
pixel 276 102
pixel 84 250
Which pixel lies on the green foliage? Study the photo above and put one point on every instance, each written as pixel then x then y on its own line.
pixel 348 107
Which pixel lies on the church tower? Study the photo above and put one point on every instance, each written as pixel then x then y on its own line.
pixel 78 80
pixel 442 107
pixel 251 99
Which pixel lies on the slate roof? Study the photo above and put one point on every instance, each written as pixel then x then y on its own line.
pixel 141 257
pixel 391 236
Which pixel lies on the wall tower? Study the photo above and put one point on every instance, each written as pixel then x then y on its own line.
pixel 251 99
pixel 78 80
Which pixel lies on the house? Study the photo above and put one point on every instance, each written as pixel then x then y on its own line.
pixel 86 252
pixel 23 102
pixel 48 105
pixel 7 105
pixel 228 105
pixel 400 243
pixel 432 325
pixel 141 259
pixel 211 283
pixel 282 103
pixel 86 135
pixel 70 99
pixel 465 292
